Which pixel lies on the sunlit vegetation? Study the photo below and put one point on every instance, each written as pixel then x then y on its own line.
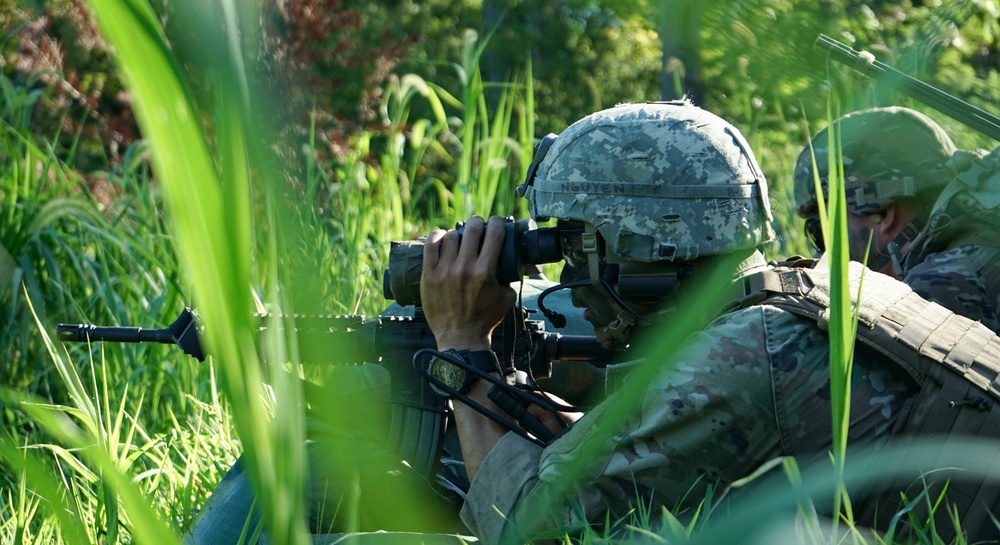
pixel 281 151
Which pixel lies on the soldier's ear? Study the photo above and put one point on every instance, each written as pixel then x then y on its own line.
pixel 891 221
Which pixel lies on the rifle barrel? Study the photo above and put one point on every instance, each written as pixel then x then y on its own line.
pixel 956 108
pixel 183 332
pixel 93 333
pixel 579 348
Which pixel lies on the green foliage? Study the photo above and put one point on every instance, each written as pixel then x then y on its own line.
pixel 93 251
pixel 252 187
pixel 73 246
pixel 762 72
pixel 209 197
pixel 843 321
pixel 53 51
pixel 585 55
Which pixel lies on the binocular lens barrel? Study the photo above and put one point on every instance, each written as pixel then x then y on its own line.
pixel 523 245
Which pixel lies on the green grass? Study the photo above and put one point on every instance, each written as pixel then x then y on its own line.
pixel 89 433
pixel 151 415
pixel 111 443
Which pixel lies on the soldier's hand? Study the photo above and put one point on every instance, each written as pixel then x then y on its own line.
pixel 548 419
pixel 461 298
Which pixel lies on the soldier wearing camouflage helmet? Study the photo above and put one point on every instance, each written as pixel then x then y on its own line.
pixel 894 167
pixel 897 162
pixel 647 198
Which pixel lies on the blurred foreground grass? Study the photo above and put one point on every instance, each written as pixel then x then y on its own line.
pixel 117 443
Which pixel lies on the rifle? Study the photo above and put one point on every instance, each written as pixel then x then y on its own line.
pixel 955 108
pixel 418 416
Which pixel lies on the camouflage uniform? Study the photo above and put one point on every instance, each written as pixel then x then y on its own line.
pixel 752 386
pixel 954 260
pixel 964 278
pixel 897 153
pixel 663 185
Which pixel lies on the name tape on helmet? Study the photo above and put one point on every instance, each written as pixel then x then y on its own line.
pixel 742 191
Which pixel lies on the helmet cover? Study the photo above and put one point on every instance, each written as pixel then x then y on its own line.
pixel 888 154
pixel 660 181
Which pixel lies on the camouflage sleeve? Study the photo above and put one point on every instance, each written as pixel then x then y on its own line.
pixel 752 386
pixel 512 466
pixel 708 420
pixel 963 279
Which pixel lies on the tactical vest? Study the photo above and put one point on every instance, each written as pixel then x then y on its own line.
pixel 954 361
pixel 966 212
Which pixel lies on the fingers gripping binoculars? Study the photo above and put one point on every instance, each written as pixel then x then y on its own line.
pixel 524 244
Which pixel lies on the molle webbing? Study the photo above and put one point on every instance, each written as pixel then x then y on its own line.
pixel 892 320
pixel 954 360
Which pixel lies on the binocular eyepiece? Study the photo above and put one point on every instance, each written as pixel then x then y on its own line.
pixel 523 244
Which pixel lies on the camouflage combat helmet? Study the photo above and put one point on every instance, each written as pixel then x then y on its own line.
pixel 888 154
pixel 660 181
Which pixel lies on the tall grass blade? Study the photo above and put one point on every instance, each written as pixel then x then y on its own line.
pixel 210 213
pixel 45 484
pixel 843 317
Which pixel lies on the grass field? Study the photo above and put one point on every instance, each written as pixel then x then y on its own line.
pixel 116 443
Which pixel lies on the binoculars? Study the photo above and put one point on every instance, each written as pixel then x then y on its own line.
pixel 524 244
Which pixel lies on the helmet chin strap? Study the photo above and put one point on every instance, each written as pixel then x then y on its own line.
pixel 909 233
pixel 616 334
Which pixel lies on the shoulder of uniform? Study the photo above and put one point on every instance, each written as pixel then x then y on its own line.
pixel 797 261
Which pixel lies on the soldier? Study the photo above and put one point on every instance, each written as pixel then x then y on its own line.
pixel 897 163
pixel 651 201
pixel 648 198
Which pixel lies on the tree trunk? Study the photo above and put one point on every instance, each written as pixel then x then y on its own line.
pixel 490 64
pixel 680 75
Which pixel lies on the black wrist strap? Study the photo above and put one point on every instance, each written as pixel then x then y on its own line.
pixel 509 396
pixel 484 361
pixel 506 383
